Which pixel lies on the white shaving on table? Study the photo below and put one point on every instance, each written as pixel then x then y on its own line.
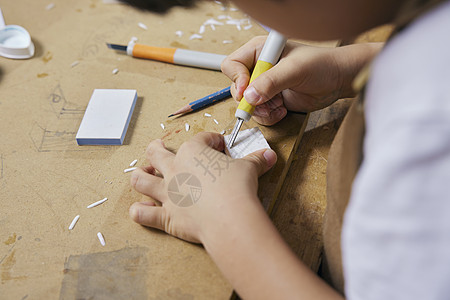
pixel 142 25
pixel 187 127
pixel 207 115
pixel 179 33
pixel 215 121
pixel 74 63
pixel 222 132
pixel 101 239
pixel 97 203
pixel 115 71
pixel 233 22
pixel 233 9
pixel 74 221
pixel 133 39
pixel 212 21
pixel 50 6
pixel 129 169
pixel 239 23
pixel 227 41
pixel 222 17
pixel 195 36
pixel 202 29
pixel 133 163
pixel 162 126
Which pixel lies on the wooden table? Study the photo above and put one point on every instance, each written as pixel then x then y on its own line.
pixel 46 179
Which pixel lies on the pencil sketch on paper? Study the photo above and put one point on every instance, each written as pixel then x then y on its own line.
pixel 45 140
pixel 61 107
pixel 96 40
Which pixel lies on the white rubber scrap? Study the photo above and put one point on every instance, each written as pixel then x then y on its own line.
pixel 101 238
pixel 97 203
pixel 50 6
pixel 74 221
pixel 142 25
pixel 129 170
pixel 195 36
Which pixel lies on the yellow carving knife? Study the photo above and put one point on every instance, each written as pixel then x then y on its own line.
pixel 269 56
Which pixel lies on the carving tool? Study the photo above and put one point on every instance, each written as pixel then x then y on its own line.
pixel 172 55
pixel 268 57
pixel 202 102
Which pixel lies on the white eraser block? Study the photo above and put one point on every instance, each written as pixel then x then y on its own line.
pixel 247 141
pixel 107 116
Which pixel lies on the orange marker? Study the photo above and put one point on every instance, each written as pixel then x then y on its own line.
pixel 172 55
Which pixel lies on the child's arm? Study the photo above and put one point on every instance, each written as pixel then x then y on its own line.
pixel 226 216
pixel 305 79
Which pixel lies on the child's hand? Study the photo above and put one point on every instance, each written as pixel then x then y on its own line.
pixel 305 79
pixel 199 187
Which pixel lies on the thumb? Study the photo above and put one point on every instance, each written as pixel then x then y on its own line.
pixel 268 84
pixel 262 160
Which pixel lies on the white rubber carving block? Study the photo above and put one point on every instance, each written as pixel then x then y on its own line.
pixel 247 141
pixel 107 116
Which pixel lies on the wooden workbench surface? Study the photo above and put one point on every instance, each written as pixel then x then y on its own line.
pixel 46 179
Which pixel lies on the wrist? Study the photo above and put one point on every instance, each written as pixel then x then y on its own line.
pixel 230 219
pixel 351 59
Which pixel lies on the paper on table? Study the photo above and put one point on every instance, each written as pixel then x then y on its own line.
pixel 247 141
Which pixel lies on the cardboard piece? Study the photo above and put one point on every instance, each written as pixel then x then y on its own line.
pixel 107 116
pixel 247 141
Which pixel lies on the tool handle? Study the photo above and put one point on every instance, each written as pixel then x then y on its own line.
pixel 198 59
pixel 245 110
pixel 150 52
pixel 269 56
pixel 177 56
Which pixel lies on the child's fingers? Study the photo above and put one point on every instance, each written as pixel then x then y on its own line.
pixel 159 157
pixel 270 83
pixel 209 139
pixel 271 116
pixel 147 215
pixel 237 65
pixel 262 160
pixel 148 184
pixel 270 112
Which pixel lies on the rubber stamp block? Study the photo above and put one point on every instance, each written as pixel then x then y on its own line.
pixel 107 116
pixel 247 141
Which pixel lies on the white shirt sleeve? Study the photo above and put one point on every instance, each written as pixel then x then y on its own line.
pixel 396 233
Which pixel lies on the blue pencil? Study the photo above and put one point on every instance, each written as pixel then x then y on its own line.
pixel 210 99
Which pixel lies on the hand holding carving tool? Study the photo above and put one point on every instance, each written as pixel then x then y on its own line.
pixel 269 56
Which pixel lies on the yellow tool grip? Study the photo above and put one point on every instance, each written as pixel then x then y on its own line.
pixel 260 67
